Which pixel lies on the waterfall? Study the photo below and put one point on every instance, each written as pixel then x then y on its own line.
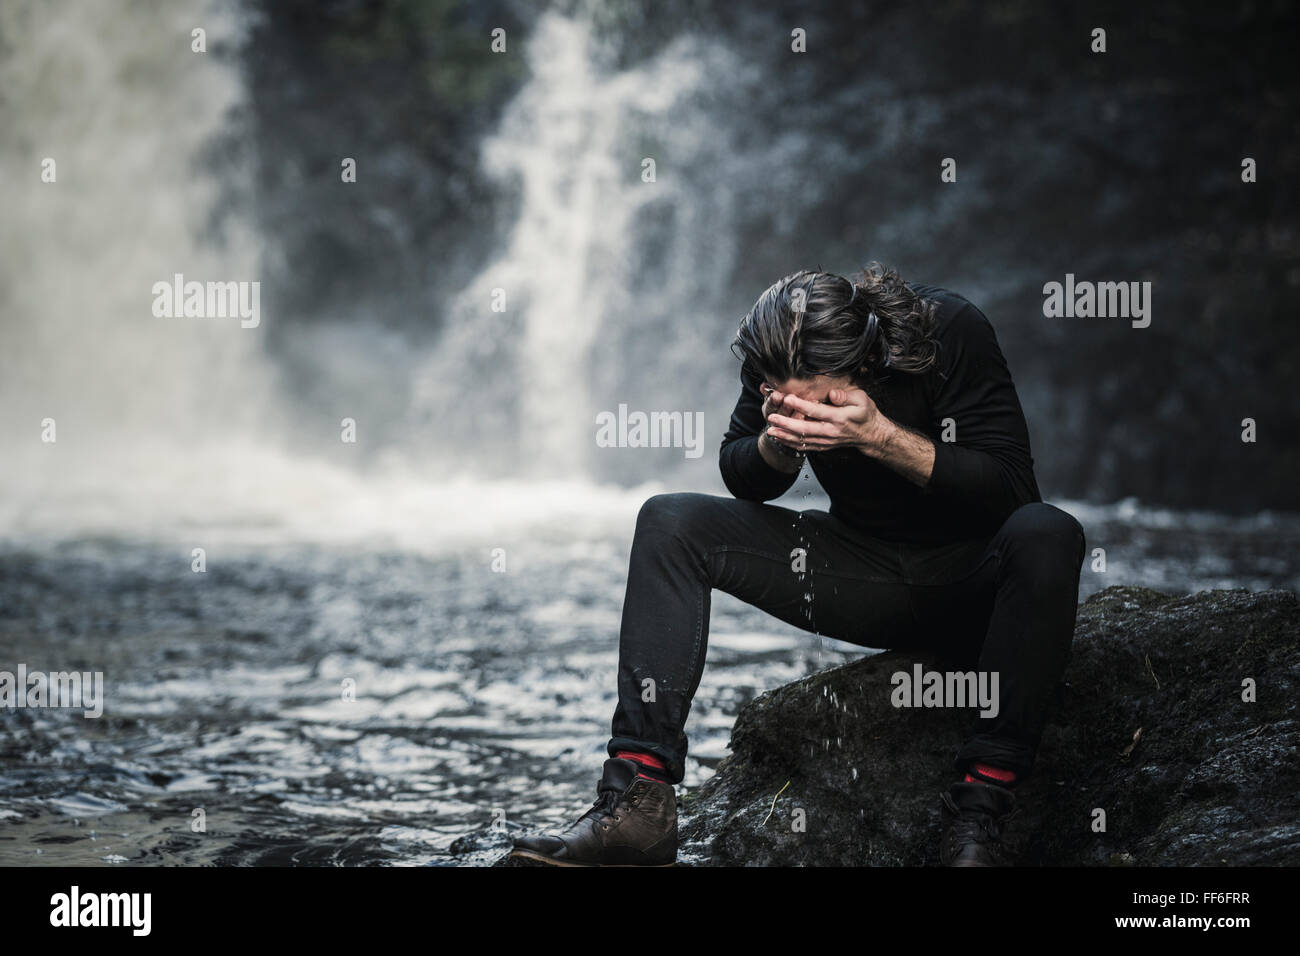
pixel 128 114
pixel 166 425
pixel 572 144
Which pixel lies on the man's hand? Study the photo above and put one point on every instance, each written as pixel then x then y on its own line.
pixel 781 456
pixel 852 420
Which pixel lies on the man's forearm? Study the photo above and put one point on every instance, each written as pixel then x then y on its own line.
pixel 909 453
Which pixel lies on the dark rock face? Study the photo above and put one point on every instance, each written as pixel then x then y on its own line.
pixel 1210 780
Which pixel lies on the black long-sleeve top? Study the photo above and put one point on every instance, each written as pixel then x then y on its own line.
pixel 978 479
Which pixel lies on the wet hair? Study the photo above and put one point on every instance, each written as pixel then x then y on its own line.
pixel 818 323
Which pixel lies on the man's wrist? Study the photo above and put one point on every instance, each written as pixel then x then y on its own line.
pixel 779 456
pixel 883 434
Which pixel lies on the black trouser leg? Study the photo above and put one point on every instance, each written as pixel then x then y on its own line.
pixel 687 544
pixel 1032 571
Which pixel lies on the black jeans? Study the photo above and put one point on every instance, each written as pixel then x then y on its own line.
pixel 1005 604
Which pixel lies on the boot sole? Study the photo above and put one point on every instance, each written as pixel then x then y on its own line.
pixel 551 861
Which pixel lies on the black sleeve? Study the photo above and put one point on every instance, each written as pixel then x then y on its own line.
pixel 988 466
pixel 745 473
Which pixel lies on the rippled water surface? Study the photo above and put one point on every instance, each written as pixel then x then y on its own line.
pixel 478 695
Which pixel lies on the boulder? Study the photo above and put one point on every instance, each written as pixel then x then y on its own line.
pixel 1149 727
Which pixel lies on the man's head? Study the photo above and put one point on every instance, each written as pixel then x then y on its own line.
pixel 820 329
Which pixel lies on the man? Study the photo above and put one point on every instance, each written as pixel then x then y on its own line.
pixel 936 540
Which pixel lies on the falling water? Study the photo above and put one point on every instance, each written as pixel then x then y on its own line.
pixel 573 145
pixel 112 99
pixel 172 426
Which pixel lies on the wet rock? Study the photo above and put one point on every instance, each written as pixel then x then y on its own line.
pixel 1211 779
pixel 480 841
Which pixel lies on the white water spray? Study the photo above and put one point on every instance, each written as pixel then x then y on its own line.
pixel 574 141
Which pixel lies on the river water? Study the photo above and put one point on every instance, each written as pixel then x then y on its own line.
pixel 481 695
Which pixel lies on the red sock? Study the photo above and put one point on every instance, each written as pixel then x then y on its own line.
pixel 984 773
pixel 651 767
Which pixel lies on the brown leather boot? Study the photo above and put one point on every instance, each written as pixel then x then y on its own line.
pixel 975 814
pixel 632 823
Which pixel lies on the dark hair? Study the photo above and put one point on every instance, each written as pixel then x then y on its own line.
pixel 819 323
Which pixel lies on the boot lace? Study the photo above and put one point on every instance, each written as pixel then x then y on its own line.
pixel 976 828
pixel 610 803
